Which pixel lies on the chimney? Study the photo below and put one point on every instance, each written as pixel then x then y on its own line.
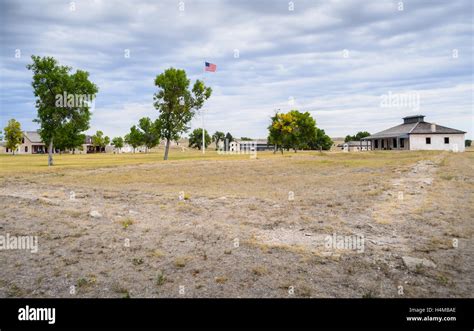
pixel 433 127
pixel 413 119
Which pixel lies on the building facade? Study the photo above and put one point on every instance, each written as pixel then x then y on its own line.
pixel 31 143
pixel 249 146
pixel 416 134
pixel 356 146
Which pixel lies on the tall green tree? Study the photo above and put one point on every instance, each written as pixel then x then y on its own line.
pixel 176 103
pixel 304 130
pixel 321 141
pixel 217 137
pixel 150 132
pixel 100 141
pixel 281 131
pixel 117 142
pixel 69 137
pixel 195 139
pixel 296 130
pixel 13 135
pixel 134 138
pixel 51 80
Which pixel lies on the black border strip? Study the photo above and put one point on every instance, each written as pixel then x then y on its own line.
pixel 258 314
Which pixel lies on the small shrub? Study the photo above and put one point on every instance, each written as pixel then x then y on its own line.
pixel 137 261
pixel 180 262
pixel 221 280
pixel 126 223
pixel 160 279
pixel 158 253
pixel 259 271
pixel 443 280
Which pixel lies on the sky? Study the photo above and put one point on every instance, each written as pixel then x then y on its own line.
pixel 354 65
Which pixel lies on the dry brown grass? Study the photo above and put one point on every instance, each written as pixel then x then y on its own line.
pixel 191 242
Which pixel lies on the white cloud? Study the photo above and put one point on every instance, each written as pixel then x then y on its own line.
pixel 282 53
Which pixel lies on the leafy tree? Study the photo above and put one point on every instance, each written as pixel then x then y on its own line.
pixel 134 138
pixel 195 139
pixel 150 132
pixel 117 142
pixel 51 80
pixel 246 139
pixel 281 131
pixel 296 130
pixel 321 141
pixel 304 130
pixel 228 140
pixel 467 143
pixel 100 141
pixel 176 103
pixel 217 137
pixel 359 135
pixel 13 134
pixel 69 137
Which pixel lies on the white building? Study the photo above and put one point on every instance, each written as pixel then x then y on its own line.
pixel 31 143
pixel 356 146
pixel 125 149
pixel 249 146
pixel 416 134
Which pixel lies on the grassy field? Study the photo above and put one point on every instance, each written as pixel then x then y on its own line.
pixel 11 164
pixel 119 225
pixel 39 163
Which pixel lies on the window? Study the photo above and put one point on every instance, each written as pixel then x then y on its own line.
pixel 26 149
pixel 22 140
pixel 402 142
pixel 446 140
pixel 428 141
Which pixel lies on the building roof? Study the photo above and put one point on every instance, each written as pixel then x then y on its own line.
pixel 356 143
pixel 425 127
pixel 33 136
pixel 405 129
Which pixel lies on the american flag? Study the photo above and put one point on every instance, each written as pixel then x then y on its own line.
pixel 210 67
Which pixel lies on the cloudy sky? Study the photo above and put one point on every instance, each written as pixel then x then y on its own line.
pixel 335 59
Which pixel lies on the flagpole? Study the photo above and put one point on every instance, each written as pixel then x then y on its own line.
pixel 202 115
pixel 212 69
pixel 202 122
